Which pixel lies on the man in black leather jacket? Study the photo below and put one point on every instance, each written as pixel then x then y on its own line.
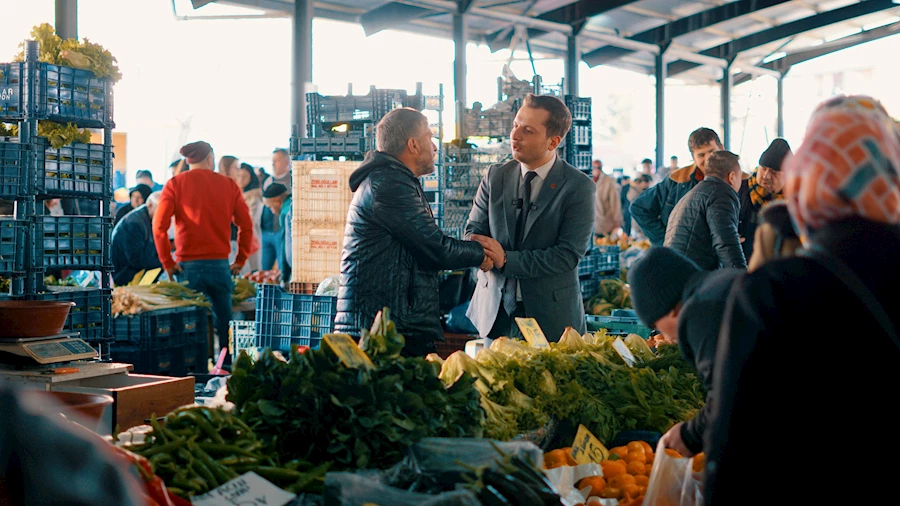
pixel 393 249
pixel 704 224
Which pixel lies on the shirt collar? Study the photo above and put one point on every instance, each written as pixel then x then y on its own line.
pixel 541 171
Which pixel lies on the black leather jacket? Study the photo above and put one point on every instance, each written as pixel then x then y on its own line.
pixel 704 226
pixel 393 250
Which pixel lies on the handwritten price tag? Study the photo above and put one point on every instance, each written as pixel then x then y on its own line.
pixel 247 490
pixel 348 351
pixel 532 332
pixel 624 352
pixel 587 448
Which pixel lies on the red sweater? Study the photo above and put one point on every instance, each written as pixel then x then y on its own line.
pixel 204 204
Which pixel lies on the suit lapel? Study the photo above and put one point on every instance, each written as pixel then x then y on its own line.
pixel 511 177
pixel 549 189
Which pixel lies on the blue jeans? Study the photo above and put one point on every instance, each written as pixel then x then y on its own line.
pixel 213 278
pixel 270 250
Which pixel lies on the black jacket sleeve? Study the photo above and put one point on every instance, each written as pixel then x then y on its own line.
pixel 647 212
pixel 722 219
pixel 399 208
pixel 698 333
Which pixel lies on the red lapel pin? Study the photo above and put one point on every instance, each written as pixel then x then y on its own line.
pixel 553 186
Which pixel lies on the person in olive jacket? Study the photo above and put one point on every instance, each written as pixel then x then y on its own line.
pixel 704 225
pixel 393 249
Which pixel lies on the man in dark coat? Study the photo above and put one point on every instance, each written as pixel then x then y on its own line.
pixel 393 249
pixel 133 249
pixel 672 294
pixel 704 224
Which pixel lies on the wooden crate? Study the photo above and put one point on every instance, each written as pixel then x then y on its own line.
pixel 316 252
pixel 321 191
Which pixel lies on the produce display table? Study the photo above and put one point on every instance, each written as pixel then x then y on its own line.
pixel 45 376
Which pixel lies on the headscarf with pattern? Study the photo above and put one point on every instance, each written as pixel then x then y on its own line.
pixel 846 166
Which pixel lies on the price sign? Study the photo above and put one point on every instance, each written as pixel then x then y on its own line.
pixel 348 351
pixel 624 352
pixel 587 448
pixel 247 490
pixel 532 332
pixel 150 277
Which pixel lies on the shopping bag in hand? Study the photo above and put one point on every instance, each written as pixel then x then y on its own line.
pixel 672 482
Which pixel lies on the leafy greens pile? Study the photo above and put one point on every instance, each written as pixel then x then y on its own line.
pixel 314 408
pixel 580 379
pixel 82 54
pixel 57 134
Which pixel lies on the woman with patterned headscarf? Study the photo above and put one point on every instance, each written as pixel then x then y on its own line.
pixel 808 353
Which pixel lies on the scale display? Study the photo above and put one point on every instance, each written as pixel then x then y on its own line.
pixel 48 351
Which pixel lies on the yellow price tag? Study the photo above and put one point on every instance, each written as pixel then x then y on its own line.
pixel 587 448
pixel 150 276
pixel 623 351
pixel 532 332
pixel 348 351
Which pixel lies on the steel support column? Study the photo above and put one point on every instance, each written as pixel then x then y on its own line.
pixel 460 39
pixel 573 58
pixel 780 127
pixel 67 19
pixel 660 72
pixel 301 63
pixel 727 83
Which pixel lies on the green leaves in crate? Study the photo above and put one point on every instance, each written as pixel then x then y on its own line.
pixel 57 134
pixel 82 54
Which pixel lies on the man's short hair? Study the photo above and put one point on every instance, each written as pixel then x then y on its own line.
pixel 275 190
pixel 721 163
pixel 647 160
pixel 626 178
pixel 701 137
pixel 396 128
pixel 644 178
pixel 673 158
pixel 153 199
pixel 282 151
pixel 560 120
pixel 144 173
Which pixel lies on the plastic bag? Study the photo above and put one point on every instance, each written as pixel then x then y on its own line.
pixel 329 286
pixel 672 482
pixel 564 479
pixel 458 322
pixel 348 489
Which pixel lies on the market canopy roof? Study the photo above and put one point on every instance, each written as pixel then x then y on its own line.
pixel 698 37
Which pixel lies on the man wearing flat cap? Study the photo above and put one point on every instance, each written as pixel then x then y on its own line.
pixel 764 186
pixel 204 205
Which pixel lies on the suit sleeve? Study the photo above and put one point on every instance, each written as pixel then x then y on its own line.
pixel 479 216
pixel 647 212
pixel 399 209
pixel 573 240
pixel 244 224
pixel 161 222
pixel 722 219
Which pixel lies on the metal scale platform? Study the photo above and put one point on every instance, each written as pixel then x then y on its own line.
pixel 45 350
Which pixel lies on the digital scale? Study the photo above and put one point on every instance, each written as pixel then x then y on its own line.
pixel 45 350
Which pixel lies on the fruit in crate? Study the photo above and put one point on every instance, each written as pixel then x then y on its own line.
pixel 613 294
pixel 272 277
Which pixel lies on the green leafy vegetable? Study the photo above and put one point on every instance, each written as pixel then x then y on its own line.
pixel 70 52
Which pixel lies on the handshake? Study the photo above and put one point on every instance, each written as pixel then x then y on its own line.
pixel 494 255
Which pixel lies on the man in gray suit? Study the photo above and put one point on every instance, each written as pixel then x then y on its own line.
pixel 534 218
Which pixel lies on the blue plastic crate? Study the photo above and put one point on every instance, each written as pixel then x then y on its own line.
pixel 77 170
pixel 163 328
pixel 91 316
pixel 74 242
pixel 62 94
pixel 617 325
pixel 587 266
pixel 284 319
pixel 589 287
pixel 13 160
pixel 12 240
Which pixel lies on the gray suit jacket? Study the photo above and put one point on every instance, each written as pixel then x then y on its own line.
pixel 557 234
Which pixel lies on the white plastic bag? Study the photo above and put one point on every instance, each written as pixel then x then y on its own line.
pixel 672 482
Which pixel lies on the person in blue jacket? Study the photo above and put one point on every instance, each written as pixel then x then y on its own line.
pixel 133 249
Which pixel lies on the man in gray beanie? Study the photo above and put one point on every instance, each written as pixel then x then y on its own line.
pixel 672 294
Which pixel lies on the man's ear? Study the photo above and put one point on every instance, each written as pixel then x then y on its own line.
pixel 411 144
pixel 555 141
pixel 676 311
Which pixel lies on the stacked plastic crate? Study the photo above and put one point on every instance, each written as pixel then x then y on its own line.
pixel 171 341
pixel 601 262
pixel 579 144
pixel 31 172
pixel 464 168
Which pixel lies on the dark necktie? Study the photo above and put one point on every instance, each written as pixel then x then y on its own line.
pixel 509 288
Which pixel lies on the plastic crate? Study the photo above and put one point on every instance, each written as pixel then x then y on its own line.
pixel 579 107
pixel 163 362
pixel 284 319
pixel 606 258
pixel 316 251
pixel 163 328
pixel 617 325
pixel 451 344
pixel 12 240
pixel 587 265
pixel 303 288
pixel 92 312
pixel 589 287
pixel 74 242
pixel 243 338
pixel 62 94
pixel 77 170
pixel 13 162
pixel 322 191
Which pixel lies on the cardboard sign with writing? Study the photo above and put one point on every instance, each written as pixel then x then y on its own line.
pixel 348 351
pixel 532 332
pixel 150 277
pixel 623 351
pixel 247 490
pixel 587 448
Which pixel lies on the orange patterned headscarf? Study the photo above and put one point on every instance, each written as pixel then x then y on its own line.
pixel 847 166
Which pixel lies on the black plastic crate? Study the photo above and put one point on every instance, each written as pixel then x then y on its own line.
pixel 164 362
pixel 284 319
pixel 74 242
pixel 77 170
pixel 580 107
pixel 62 94
pixel 163 328
pixel 13 161
pixel 91 314
pixel 12 240
pixel 194 359
pixel 606 259
pixel 589 287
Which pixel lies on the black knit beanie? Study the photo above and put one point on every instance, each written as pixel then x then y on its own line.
pixel 775 154
pixel 657 281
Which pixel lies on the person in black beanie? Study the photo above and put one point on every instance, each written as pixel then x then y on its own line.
pixel 671 293
pixel 765 185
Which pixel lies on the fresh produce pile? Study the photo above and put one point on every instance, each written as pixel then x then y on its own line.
pixel 243 290
pixel 133 299
pixel 318 410
pixel 82 54
pixel 53 281
pixel 622 241
pixel 272 277
pixel 513 480
pixel 57 134
pixel 197 449
pixel 613 294
pixel 581 379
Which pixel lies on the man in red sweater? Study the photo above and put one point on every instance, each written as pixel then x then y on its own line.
pixel 204 205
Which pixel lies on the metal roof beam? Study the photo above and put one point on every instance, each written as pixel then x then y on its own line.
pixel 735 47
pixel 683 26
pixel 452 7
pixel 391 15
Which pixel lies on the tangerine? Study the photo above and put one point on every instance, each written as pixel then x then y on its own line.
pixel 612 468
pixel 636 457
pixel 699 462
pixel 621 451
pixel 648 450
pixel 641 480
pixel 597 483
pixel 635 446
pixel 635 468
pixel 621 481
pixel 672 453
pixel 611 493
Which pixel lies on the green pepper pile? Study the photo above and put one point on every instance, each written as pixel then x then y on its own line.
pixel 198 449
